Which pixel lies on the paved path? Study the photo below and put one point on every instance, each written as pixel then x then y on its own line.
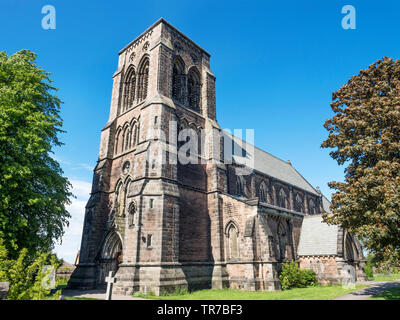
pixel 97 294
pixel 374 288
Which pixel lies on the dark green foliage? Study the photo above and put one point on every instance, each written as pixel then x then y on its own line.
pixel 291 276
pixel 33 192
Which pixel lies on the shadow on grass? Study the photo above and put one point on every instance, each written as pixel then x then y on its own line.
pixel 373 291
pixel 390 294
pixel 310 293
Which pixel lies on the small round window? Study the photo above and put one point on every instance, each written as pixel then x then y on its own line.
pixel 126 167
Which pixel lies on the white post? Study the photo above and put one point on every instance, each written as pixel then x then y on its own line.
pixel 110 281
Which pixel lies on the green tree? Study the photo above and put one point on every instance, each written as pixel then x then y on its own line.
pixel 365 135
pixel 27 277
pixel 33 192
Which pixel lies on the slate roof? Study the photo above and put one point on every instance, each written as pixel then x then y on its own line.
pixel 317 237
pixel 326 204
pixel 268 164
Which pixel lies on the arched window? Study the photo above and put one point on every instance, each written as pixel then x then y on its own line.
pixel 120 200
pixel 178 81
pixel 194 89
pixel 282 236
pixel 263 192
pixel 183 124
pixel 282 198
pixel 125 138
pixel 143 80
pixel 201 138
pixel 240 186
pixel 129 89
pixel 117 141
pixel 135 134
pixel 299 204
pixel 128 140
pixel 233 246
pixel 311 207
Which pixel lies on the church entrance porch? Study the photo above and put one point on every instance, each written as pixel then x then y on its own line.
pixel 110 258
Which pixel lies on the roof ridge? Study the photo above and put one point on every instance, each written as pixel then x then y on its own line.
pixel 325 197
pixel 289 165
pixel 306 180
pixel 260 149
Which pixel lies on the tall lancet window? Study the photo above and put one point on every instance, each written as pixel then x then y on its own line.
pixel 120 200
pixel 311 207
pixel 282 198
pixel 143 79
pixel 299 204
pixel 263 192
pixel 282 235
pixel 118 141
pixel 178 81
pixel 129 89
pixel 233 246
pixel 125 138
pixel 135 134
pixel 194 89
pixel 240 186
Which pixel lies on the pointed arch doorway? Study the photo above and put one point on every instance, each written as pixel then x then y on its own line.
pixel 111 256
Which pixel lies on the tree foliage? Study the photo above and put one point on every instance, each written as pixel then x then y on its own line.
pixel 27 276
pixel 33 192
pixel 365 136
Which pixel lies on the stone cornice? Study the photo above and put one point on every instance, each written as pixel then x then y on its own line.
pixel 147 33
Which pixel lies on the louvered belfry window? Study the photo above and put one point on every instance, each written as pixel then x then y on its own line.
pixel 178 81
pixel 129 89
pixel 143 80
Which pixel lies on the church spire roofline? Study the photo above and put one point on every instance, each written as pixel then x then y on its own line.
pixel 162 20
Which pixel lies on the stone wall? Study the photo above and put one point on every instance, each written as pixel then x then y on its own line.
pixel 325 267
pixel 4 288
pixel 174 222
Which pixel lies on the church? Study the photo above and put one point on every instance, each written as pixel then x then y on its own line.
pixel 229 217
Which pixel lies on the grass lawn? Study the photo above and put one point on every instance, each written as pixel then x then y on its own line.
pixel 391 294
pixel 311 293
pixel 386 277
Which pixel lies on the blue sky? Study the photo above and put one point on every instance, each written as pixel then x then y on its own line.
pixel 276 62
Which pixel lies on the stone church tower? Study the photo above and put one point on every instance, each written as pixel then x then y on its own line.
pixel 134 214
pixel 159 223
